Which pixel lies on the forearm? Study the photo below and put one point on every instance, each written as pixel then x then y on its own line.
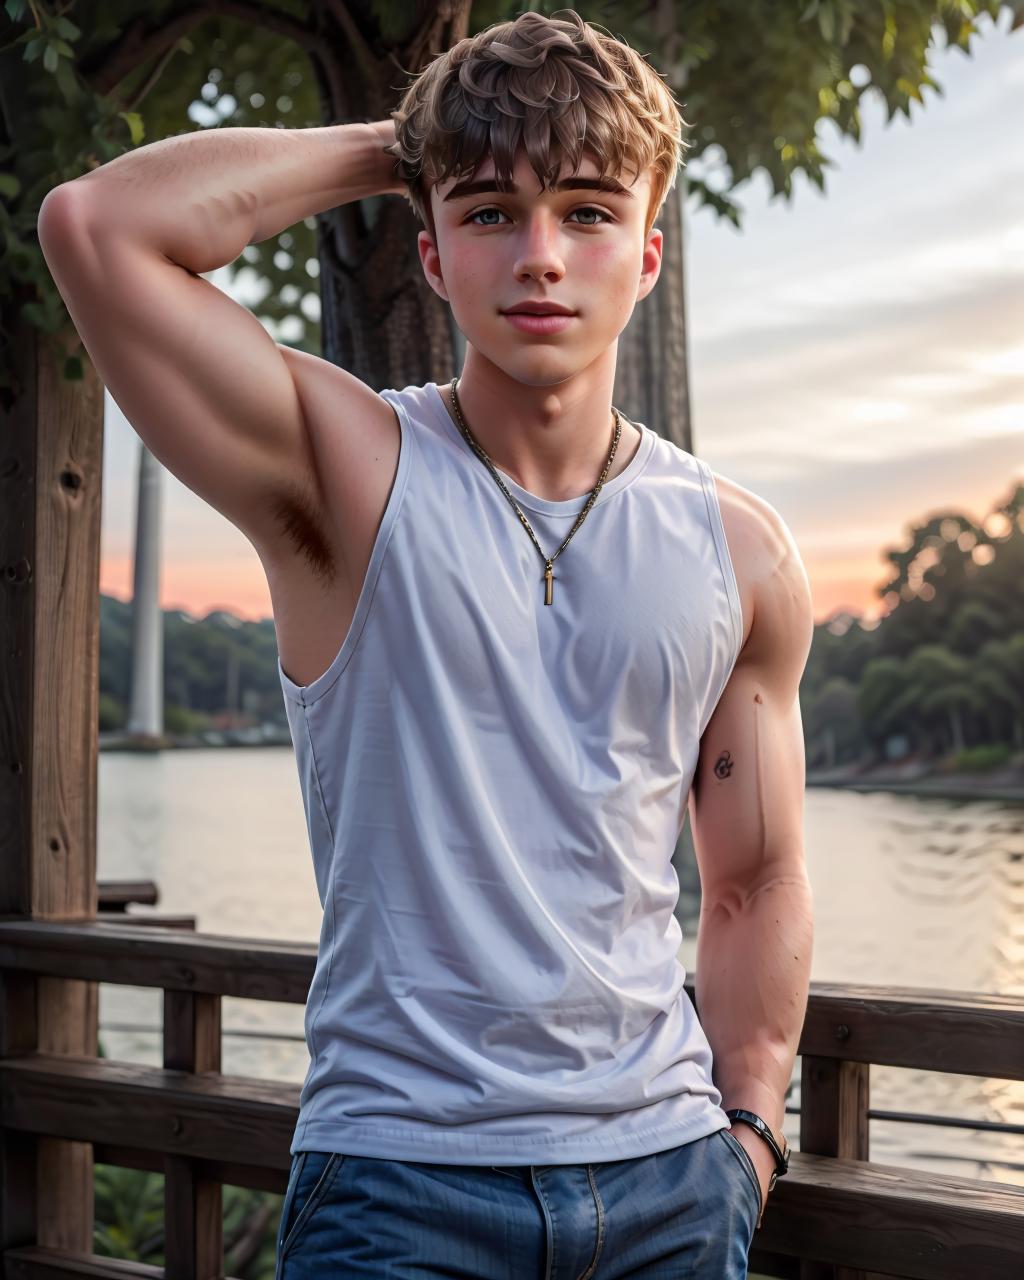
pixel 753 975
pixel 200 198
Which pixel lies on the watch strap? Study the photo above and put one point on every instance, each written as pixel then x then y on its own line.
pixel 781 1153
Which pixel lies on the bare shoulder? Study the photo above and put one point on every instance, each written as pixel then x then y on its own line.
pixel 770 574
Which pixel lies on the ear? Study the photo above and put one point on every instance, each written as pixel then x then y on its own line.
pixel 650 267
pixel 430 260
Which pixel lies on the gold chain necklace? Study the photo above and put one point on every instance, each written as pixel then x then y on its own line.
pixel 548 562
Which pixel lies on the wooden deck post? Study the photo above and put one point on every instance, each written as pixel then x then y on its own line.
pixel 50 471
pixel 193 1204
pixel 834 1102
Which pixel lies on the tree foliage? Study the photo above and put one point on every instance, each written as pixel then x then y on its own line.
pixel 944 668
pixel 84 81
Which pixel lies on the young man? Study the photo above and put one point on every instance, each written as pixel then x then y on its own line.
pixel 518 634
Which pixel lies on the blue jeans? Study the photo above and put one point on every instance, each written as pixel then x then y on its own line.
pixel 686 1212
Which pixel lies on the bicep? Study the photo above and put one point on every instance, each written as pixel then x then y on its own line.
pixel 198 377
pixel 746 804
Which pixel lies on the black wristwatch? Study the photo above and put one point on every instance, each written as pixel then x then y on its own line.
pixel 781 1153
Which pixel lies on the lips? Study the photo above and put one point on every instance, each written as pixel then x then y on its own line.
pixel 546 323
pixel 538 309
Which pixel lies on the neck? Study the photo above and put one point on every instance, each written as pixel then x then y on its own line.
pixel 552 440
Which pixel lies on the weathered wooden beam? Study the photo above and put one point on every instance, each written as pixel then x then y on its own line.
pixel 964 1032
pixel 116 895
pixel 876 1218
pixel 834 1103
pixel 252 1176
pixel 50 1264
pixel 894 1221
pixel 18 1151
pixel 50 476
pixel 170 959
pixel 193 1204
pixel 207 1117
pixel 158 920
pixel 923 1027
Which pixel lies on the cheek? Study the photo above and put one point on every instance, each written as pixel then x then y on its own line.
pixel 613 271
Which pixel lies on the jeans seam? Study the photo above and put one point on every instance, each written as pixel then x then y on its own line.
pixel 747 1165
pixel 321 1188
pixel 588 1272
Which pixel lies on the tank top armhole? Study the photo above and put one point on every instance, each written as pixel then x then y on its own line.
pixel 306 695
pixel 724 558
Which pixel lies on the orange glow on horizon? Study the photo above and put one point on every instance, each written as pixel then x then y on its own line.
pixel 242 589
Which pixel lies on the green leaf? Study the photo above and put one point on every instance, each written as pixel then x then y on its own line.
pixel 33 48
pixel 67 83
pixel 9 186
pixel 51 58
pixel 73 369
pixel 15 9
pixel 66 28
pixel 134 123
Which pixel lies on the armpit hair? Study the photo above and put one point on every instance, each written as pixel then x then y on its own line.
pixel 301 518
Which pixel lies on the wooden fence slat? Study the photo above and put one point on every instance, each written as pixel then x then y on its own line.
pixel 881 1218
pixel 229 1174
pixel 116 895
pixel 34 1263
pixel 18 1165
pixel 208 1117
pixel 834 1105
pixel 151 920
pixel 171 960
pixel 895 1221
pixel 193 1202
pixel 967 1033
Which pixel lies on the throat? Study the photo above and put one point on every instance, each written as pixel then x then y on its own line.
pixel 566 490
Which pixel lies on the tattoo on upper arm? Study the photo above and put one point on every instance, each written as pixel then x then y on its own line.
pixel 723 765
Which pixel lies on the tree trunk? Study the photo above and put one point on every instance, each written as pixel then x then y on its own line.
pixel 380 319
pixel 652 376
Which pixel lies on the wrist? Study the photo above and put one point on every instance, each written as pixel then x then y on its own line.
pixel 774 1144
pixel 384 137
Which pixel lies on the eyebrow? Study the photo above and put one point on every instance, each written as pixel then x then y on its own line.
pixel 462 189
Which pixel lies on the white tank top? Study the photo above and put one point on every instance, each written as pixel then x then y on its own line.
pixel 493 790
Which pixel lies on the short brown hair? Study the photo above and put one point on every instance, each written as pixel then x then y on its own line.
pixel 559 88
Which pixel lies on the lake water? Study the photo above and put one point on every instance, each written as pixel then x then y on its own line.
pixel 907 892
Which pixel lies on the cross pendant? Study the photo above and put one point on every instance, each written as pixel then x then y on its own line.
pixel 548 583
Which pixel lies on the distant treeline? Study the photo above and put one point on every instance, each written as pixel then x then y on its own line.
pixel 212 665
pixel 942 672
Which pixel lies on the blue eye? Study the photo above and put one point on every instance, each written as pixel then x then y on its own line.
pixel 585 209
pixel 591 209
pixel 473 216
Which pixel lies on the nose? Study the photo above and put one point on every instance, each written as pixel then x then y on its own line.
pixel 538 255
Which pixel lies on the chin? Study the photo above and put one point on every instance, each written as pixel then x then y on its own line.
pixel 541 367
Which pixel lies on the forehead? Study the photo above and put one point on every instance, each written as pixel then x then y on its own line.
pixel 625 185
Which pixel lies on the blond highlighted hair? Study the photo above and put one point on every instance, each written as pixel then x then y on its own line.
pixel 559 88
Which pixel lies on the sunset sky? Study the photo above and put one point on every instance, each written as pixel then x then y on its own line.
pixel 857 357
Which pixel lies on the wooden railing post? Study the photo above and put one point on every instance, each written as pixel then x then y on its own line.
pixel 834 1102
pixel 193 1204
pixel 50 473
pixel 18 1151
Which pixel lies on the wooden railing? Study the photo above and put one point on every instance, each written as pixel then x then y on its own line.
pixel 114 897
pixel 837 1214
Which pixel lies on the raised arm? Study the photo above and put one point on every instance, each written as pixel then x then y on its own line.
pixel 213 396
pixel 755 936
